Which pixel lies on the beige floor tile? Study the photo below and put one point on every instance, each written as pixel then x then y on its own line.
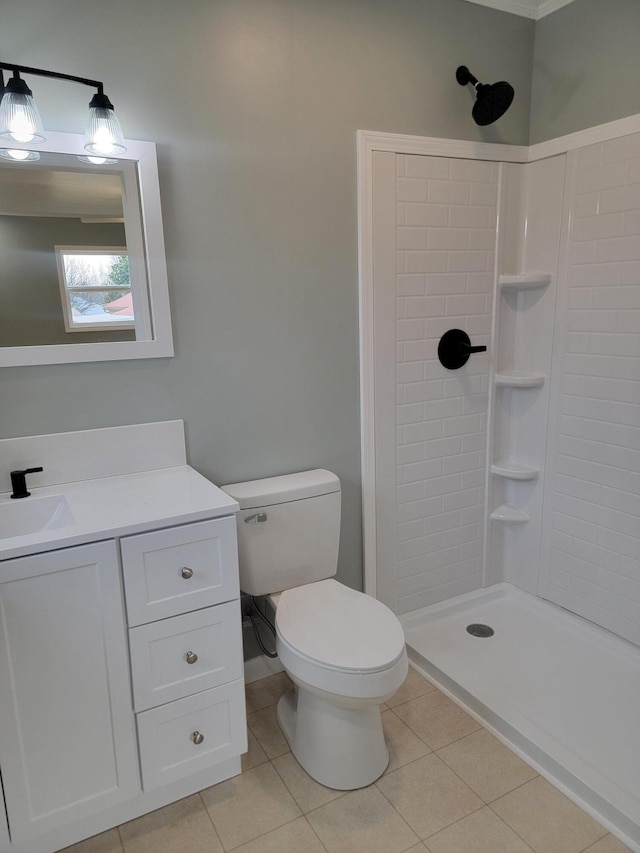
pixel 264 726
pixel 183 826
pixel 255 754
pixel 249 805
pixel 428 795
pixel 294 837
pixel 361 821
pixel 404 745
pixel 546 819
pixel 436 719
pixel 608 844
pixel 106 842
pixel 414 685
pixel 481 832
pixel 307 793
pixel 487 766
pixel 267 691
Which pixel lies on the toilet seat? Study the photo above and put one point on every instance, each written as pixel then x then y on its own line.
pixel 332 627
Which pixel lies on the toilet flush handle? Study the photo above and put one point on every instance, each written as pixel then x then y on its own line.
pixel 257 518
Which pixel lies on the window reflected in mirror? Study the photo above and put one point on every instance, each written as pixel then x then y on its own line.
pixel 95 288
pixel 65 276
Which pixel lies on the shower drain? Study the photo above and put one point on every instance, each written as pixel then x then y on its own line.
pixel 477 629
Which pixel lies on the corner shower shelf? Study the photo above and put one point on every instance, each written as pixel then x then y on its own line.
pixel 509 514
pixel 524 281
pixel 514 379
pixel 514 471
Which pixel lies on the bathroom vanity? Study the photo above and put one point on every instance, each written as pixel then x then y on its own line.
pixel 120 634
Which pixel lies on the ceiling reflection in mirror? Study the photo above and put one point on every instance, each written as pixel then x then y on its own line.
pixel 65 252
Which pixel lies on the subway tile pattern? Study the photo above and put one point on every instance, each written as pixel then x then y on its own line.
pixel 446 224
pixel 595 548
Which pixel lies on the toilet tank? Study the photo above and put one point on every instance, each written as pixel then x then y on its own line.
pixel 288 530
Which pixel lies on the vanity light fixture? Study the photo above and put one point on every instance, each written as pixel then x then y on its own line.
pixel 20 121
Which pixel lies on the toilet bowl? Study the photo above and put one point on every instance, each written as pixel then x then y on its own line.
pixel 345 653
pixel 343 650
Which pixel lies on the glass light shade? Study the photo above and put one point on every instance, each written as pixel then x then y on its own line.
pixel 20 119
pixel 19 155
pixel 103 136
pixel 97 161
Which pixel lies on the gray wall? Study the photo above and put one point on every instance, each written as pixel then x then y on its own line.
pixel 254 105
pixel 586 68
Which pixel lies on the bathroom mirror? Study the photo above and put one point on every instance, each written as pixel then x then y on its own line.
pixel 82 263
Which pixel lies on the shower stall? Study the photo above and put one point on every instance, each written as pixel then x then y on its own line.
pixel 506 493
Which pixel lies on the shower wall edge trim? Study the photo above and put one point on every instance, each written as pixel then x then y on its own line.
pixel 367 142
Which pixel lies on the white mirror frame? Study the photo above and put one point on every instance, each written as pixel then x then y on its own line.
pixel 153 331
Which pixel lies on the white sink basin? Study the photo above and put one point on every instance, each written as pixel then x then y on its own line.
pixel 23 516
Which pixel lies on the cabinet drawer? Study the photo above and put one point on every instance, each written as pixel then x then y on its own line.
pixel 173 571
pixel 168 735
pixel 176 657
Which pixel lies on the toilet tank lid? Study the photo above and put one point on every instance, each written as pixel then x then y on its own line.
pixel 278 490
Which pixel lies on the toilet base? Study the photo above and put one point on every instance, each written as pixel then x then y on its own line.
pixel 341 748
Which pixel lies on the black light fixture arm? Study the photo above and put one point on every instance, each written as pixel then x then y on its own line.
pixel 56 75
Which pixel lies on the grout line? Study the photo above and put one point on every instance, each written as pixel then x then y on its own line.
pixel 435 751
pixel 509 825
pixel 204 806
pixel 502 820
pixel 402 818
pixel 453 823
pixel 608 835
pixel 121 839
pixel 309 811
pixel 262 834
pixel 316 834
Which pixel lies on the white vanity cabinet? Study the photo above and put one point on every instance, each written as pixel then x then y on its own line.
pixel 121 680
pixel 186 648
pixel 67 739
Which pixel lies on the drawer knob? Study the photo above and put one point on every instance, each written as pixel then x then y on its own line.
pixel 197 738
pixel 186 572
pixel 191 657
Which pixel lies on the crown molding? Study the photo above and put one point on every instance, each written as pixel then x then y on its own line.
pixel 534 9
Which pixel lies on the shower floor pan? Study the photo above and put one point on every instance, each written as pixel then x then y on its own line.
pixel 562 692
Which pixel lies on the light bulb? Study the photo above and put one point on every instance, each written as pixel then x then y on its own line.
pixel 103 140
pixel 19 117
pixel 21 126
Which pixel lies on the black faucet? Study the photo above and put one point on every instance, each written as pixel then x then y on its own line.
pixel 19 482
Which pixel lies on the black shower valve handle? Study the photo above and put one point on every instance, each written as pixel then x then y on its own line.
pixel 455 349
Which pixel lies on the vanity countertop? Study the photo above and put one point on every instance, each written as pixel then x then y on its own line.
pixel 106 507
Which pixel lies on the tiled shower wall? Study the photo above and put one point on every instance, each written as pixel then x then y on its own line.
pixel 446 224
pixel 594 558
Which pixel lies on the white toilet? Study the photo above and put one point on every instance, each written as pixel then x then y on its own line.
pixel 343 650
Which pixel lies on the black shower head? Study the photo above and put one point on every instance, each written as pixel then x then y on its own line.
pixel 492 101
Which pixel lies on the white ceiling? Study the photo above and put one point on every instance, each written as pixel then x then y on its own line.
pixel 535 9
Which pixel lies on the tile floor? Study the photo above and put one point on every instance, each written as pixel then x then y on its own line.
pixel 450 787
